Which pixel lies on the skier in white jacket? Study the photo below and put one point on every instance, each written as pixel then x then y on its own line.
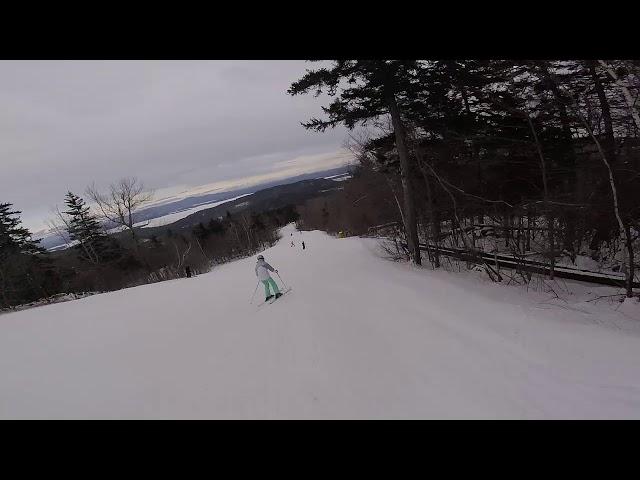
pixel 262 272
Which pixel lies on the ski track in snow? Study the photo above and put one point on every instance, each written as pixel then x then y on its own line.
pixel 357 337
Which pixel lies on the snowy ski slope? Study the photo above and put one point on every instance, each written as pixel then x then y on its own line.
pixel 357 337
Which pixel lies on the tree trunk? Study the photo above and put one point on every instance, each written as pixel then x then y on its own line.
pixel 616 207
pixel 5 300
pixel 505 230
pixel 409 208
pixel 528 244
pixel 432 214
pixel 609 143
pixel 631 267
pixel 519 235
pixel 550 218
pixel 552 245
pixel 569 161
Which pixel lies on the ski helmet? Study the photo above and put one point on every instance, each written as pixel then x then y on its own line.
pixel 260 257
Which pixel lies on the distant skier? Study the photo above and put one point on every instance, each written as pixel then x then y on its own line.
pixel 303 244
pixel 292 243
pixel 262 272
pixel 187 270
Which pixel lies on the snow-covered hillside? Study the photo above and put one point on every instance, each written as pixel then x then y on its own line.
pixel 357 337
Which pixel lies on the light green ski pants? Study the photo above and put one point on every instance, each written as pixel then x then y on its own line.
pixel 274 287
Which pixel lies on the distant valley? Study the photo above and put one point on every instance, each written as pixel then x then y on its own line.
pixel 187 212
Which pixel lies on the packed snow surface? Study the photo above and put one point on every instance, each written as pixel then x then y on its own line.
pixel 358 336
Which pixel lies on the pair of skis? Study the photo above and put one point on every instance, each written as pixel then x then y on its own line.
pixel 271 300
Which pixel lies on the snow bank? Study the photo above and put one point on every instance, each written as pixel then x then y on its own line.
pixel 357 337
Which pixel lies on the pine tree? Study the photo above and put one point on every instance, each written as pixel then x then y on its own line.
pixel 18 260
pixel 14 239
pixel 364 90
pixel 201 232
pixel 93 245
pixel 155 242
pixel 216 227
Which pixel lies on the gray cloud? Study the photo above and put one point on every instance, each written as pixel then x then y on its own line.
pixel 65 124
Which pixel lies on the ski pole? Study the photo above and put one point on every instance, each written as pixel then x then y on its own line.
pixel 283 284
pixel 254 293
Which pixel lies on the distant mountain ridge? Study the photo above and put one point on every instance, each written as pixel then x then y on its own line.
pixel 185 203
pixel 265 199
pixel 52 241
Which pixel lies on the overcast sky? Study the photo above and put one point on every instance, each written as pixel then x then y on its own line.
pixel 174 124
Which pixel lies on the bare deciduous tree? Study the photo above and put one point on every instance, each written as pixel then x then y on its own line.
pixel 60 226
pixel 121 201
pixel 181 256
pixel 627 262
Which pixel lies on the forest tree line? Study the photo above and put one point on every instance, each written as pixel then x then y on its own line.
pixel 545 150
